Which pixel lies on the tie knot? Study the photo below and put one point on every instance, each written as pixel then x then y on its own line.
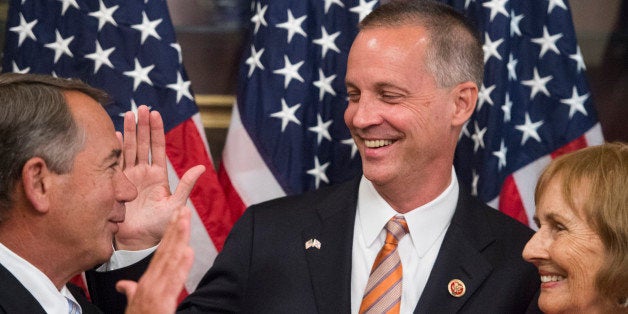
pixel 397 227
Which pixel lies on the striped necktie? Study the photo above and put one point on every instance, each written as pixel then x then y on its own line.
pixel 383 289
pixel 73 307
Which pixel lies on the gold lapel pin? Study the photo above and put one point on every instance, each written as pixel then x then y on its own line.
pixel 456 288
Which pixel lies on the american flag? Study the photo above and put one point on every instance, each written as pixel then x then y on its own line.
pixel 287 132
pixel 129 49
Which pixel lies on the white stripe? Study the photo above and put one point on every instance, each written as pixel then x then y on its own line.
pixel 247 170
pixel 525 179
pixel 204 250
pixel 594 135
pixel 201 131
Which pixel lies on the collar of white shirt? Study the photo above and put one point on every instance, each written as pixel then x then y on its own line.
pixel 36 282
pixel 425 222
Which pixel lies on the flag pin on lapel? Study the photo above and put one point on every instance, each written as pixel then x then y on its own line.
pixel 312 243
pixel 456 288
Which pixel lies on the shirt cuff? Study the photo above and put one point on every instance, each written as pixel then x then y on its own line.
pixel 123 258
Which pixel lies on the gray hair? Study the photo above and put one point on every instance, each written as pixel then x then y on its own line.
pixel 35 121
pixel 454 54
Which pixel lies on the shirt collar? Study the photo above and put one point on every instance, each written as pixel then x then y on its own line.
pixel 425 223
pixel 35 281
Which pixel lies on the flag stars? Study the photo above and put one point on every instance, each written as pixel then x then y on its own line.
pixel 61 46
pixel 512 68
pixel 148 27
pixel 467 2
pixel 576 102
pixel 105 15
pixel 327 41
pixel 579 60
pixel 555 3
pixel 507 108
pixel 321 129
pixel 140 74
pixel 318 172
pixel 65 4
pixel 547 42
pixel 363 8
pixel 490 48
pixel 287 114
pixel 501 156
pixel 290 71
pixel 25 29
pixel 354 147
pixel 324 85
pixel 328 4
pixel 496 6
pixel 177 47
pixel 484 95
pixel 258 19
pixel 254 60
pixel 538 84
pixel 474 183
pixel 514 24
pixel 17 69
pixel 182 88
pixel 293 26
pixel 100 57
pixel 478 137
pixel 529 129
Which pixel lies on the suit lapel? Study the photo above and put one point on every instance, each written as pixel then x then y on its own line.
pixel 330 266
pixel 14 298
pixel 459 258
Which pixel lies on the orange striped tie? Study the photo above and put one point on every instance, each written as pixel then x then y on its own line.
pixel 383 290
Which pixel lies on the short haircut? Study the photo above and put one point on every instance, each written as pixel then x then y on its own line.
pixel 600 173
pixel 454 52
pixel 35 121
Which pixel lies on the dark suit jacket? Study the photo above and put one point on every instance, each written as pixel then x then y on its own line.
pixel 15 298
pixel 265 268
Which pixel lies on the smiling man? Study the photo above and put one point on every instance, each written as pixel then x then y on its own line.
pixel 64 189
pixel 404 237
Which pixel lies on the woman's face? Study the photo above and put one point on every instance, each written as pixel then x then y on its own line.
pixel 568 254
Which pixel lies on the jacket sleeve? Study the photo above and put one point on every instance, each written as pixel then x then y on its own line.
pixel 102 285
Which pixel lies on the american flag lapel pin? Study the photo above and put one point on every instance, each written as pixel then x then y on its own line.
pixel 312 243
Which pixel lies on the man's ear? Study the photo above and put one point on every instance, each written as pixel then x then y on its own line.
pixel 465 98
pixel 36 181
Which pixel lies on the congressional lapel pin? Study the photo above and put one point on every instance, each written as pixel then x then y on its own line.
pixel 312 243
pixel 456 288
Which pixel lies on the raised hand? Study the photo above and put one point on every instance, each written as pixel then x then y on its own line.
pixel 144 158
pixel 158 289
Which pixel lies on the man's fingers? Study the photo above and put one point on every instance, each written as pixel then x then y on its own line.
pixel 186 184
pixel 129 145
pixel 143 134
pixel 157 140
pixel 127 287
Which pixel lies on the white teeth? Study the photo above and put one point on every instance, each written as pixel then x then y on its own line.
pixel 377 143
pixel 551 278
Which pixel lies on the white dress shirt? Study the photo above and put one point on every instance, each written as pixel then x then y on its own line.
pixel 417 250
pixel 37 283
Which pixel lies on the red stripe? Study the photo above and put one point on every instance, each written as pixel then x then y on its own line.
pixel 185 149
pixel 233 198
pixel 78 281
pixel 510 201
pixel 574 145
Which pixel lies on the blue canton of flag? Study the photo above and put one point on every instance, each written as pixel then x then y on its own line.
pixel 292 96
pixel 124 47
pixel 534 101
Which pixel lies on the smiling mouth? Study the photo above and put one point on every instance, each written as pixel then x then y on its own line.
pixel 545 279
pixel 377 143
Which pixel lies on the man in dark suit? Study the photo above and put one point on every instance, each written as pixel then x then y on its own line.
pixel 63 189
pixel 404 237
